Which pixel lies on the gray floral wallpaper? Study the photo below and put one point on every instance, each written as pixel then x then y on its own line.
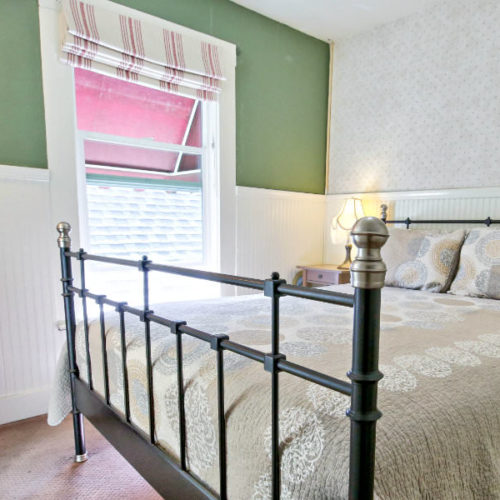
pixel 416 103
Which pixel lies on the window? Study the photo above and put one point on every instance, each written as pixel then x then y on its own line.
pixel 147 156
pixel 65 149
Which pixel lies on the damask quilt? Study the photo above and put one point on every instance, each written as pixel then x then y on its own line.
pixel 439 436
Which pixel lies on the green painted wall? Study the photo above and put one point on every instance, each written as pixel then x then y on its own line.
pixel 281 90
pixel 22 123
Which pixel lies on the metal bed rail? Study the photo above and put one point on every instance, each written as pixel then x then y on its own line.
pixel 383 209
pixel 368 272
pixel 253 354
pixel 343 299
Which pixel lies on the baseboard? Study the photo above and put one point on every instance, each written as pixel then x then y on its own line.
pixel 24 405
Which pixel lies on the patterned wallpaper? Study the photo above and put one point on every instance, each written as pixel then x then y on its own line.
pixel 416 103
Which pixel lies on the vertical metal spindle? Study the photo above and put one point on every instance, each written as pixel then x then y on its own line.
pixel 271 365
pixel 221 417
pixel 222 426
pixel 104 348
pixel 81 253
pixel 147 333
pixel 275 314
pixel 174 328
pixel 368 272
pixel 275 438
pixel 123 344
pixel 64 243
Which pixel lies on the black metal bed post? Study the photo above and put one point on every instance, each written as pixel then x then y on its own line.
pixel 367 275
pixel 64 243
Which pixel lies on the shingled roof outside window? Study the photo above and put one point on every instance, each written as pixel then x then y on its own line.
pixel 165 225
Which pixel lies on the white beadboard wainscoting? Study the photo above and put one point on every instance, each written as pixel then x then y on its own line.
pixel 276 231
pixel 467 203
pixel 29 342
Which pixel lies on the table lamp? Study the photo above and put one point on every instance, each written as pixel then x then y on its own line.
pixel 341 226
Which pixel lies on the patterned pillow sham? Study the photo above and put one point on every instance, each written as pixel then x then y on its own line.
pixel 422 260
pixel 479 268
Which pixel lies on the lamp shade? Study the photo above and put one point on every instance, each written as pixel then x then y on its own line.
pixel 351 211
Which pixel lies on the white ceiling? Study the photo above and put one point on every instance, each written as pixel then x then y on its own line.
pixel 334 19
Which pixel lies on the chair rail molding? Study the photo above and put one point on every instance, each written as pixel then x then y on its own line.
pixel 20 173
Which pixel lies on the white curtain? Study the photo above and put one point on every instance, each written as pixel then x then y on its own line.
pixel 116 45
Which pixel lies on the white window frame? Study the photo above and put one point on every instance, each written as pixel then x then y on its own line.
pixel 208 153
pixel 67 185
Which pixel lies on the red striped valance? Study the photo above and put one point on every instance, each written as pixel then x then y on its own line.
pixel 116 45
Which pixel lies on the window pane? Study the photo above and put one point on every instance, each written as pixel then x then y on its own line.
pixel 111 106
pixel 118 155
pixel 164 224
pixel 129 222
pixel 189 162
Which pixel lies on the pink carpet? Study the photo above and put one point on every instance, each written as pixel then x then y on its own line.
pixel 36 461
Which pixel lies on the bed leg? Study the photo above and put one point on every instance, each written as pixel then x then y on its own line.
pixel 64 243
pixel 80 449
pixel 368 274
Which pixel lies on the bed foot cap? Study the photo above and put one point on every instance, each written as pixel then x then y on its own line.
pixel 81 458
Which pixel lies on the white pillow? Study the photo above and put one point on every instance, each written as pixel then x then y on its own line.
pixel 479 268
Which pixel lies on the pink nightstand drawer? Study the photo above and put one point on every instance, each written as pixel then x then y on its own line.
pixel 324 275
pixel 319 276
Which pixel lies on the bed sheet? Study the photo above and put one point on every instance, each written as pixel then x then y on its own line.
pixel 439 436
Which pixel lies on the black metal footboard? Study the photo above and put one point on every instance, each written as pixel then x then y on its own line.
pixel 172 479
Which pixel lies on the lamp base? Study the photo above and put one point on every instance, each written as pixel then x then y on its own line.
pixel 347 262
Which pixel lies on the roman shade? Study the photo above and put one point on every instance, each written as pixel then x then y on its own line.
pixel 103 40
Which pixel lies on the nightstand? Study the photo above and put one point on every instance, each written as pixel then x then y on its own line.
pixel 324 274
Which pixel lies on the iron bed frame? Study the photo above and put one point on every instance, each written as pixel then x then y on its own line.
pixel 171 478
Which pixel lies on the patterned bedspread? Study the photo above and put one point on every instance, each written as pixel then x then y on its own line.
pixel 439 437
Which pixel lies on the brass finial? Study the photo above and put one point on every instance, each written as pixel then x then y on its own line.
pixel 369 234
pixel 64 240
pixel 383 212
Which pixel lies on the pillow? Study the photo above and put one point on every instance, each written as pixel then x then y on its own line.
pixel 422 260
pixel 479 268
